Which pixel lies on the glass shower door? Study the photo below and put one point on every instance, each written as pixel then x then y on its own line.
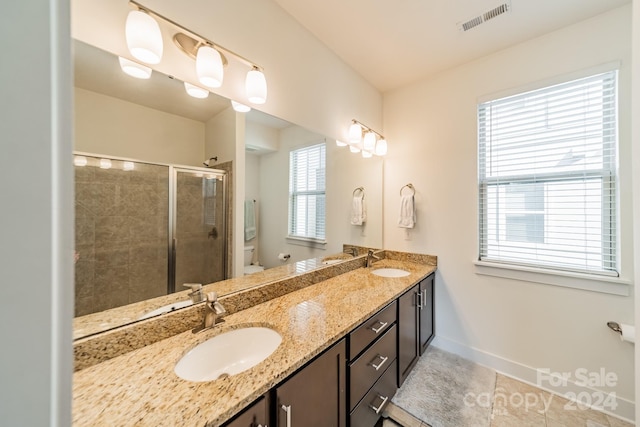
pixel 198 227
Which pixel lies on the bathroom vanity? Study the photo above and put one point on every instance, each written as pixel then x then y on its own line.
pixel 344 335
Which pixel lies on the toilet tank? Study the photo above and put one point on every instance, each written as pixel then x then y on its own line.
pixel 248 255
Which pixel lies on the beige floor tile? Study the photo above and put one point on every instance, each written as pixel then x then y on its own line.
pixel 518 397
pixel 503 418
pixel 617 422
pixel 562 412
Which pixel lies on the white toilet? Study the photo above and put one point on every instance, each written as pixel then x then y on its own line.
pixel 248 257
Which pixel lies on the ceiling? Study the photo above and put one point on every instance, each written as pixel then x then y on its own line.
pixel 392 43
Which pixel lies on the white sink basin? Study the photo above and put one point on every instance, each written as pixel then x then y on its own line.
pixel 390 272
pixel 332 261
pixel 166 309
pixel 228 354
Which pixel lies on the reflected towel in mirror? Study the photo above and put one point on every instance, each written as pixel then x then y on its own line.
pixel 249 220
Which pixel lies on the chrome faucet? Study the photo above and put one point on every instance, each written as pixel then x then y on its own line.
pixel 212 308
pixel 371 257
pixel 351 250
pixel 196 294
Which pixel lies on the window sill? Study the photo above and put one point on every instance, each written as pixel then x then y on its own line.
pixel 593 283
pixel 310 243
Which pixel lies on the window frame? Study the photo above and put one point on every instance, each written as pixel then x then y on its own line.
pixel 293 194
pixel 613 284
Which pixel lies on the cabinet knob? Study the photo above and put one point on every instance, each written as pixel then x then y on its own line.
pixel 381 327
pixel 382 362
pixel 379 408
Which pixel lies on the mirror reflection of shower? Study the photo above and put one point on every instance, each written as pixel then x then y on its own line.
pixel 143 229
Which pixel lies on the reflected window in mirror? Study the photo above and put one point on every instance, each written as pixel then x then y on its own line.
pixel 307 193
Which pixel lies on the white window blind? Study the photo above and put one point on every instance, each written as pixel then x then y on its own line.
pixel 307 168
pixel 547 177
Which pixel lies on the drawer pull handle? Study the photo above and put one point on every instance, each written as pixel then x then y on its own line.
pixel 379 408
pixel 287 409
pixel 379 365
pixel 419 298
pixel 381 327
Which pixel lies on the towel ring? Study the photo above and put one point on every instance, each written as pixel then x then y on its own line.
pixel 410 187
pixel 360 189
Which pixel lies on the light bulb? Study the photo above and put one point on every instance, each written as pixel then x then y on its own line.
pixel 369 143
pixel 366 154
pixel 134 69
pixel 341 144
pixel 381 147
pixel 240 108
pixel 195 91
pixel 209 66
pixel 80 161
pixel 355 133
pixel 256 86
pixel 144 38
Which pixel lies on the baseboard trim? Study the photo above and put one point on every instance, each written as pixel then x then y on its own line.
pixel 625 409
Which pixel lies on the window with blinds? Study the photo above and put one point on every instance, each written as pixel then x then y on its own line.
pixel 547 177
pixel 307 168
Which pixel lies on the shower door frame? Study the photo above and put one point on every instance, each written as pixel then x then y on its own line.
pixel 173 206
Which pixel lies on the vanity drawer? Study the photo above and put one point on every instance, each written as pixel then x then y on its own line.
pixel 367 368
pixel 366 333
pixel 368 411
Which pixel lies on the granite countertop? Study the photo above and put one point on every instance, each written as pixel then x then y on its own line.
pixel 140 387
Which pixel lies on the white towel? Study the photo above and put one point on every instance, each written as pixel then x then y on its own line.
pixel 358 211
pixel 249 220
pixel 407 212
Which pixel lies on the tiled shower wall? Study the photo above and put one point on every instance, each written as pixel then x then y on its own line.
pixel 121 234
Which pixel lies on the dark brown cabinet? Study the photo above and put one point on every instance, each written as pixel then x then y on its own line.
pixel 415 325
pixel 256 415
pixel 315 396
pixel 372 367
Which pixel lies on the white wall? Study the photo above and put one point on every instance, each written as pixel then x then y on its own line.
pixel 516 326
pixel 111 126
pixel 252 192
pixel 36 219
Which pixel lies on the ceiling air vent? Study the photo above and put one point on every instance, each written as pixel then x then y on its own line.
pixel 490 14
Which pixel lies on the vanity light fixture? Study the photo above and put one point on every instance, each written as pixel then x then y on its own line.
pixel 256 86
pixel 209 66
pixel 369 145
pixel 195 91
pixel 381 147
pixel 240 108
pixel 210 57
pixel 144 38
pixel 134 69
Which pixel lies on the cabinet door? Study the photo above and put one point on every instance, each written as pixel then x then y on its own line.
pixel 315 396
pixel 426 313
pixel 407 333
pixel 255 415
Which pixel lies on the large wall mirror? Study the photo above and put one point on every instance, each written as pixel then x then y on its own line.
pixel 156 138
